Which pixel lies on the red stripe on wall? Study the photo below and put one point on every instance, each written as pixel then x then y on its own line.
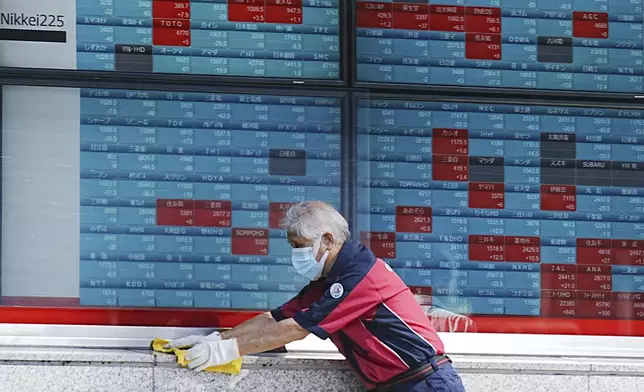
pixel 40 301
pixel 123 317
pixel 226 319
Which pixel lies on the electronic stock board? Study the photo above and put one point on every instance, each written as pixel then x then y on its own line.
pixel 506 209
pixel 487 208
pixel 569 45
pixel 182 194
pixel 293 39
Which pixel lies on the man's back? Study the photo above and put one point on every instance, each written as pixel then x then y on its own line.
pixel 394 335
pixel 369 314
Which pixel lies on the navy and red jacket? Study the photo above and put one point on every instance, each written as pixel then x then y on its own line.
pixel 369 314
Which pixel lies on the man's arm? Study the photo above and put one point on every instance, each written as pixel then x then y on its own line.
pixel 214 353
pixel 250 327
pixel 269 336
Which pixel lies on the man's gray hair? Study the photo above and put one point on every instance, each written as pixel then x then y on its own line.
pixel 311 219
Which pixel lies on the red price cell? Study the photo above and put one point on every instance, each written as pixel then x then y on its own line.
pixel 447 18
pixel 276 212
pixel 172 212
pixel 627 252
pixel 175 203
pixel 483 46
pixel 171 37
pixel 413 219
pixel 423 295
pixel 559 277
pixel 250 242
pixel 450 141
pixel 171 9
pixel 590 25
pixel 558 303
pixel 628 306
pixel 171 32
pixel 486 248
pixel 284 3
pixel 594 278
pixel 483 20
pixel 593 251
pixel 251 11
pixel 213 213
pixel 594 296
pixel 559 198
pixel 374 15
pixel 382 244
pixel 523 249
pixel 171 24
pixel 450 168
pixel 411 16
pixel 489 195
pixel 284 11
pixel 594 304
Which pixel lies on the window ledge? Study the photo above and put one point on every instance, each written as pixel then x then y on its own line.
pixel 318 362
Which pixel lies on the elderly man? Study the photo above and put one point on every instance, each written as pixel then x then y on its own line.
pixel 355 299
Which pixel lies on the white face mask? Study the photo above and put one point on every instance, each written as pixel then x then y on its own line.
pixel 304 261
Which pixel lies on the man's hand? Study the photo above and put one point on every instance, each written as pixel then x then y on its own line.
pixel 191 340
pixel 212 353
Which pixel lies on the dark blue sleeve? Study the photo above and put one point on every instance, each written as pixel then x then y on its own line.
pixel 303 300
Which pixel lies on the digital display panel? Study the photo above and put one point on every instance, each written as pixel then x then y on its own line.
pixel 181 194
pixel 570 45
pixel 295 39
pixel 506 209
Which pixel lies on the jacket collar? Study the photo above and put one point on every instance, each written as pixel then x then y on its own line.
pixel 347 253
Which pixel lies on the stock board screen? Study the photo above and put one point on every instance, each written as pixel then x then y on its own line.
pixel 505 209
pixel 182 194
pixel 581 45
pixel 293 39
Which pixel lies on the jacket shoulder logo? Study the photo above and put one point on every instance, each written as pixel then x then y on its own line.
pixel 336 290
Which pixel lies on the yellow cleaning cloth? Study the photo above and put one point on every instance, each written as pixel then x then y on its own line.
pixel 233 367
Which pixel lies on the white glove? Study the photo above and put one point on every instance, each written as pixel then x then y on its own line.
pixel 208 353
pixel 446 321
pixel 191 340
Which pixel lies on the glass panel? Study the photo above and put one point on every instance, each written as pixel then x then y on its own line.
pixel 270 40
pixel 569 45
pixel 494 213
pixel 136 198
